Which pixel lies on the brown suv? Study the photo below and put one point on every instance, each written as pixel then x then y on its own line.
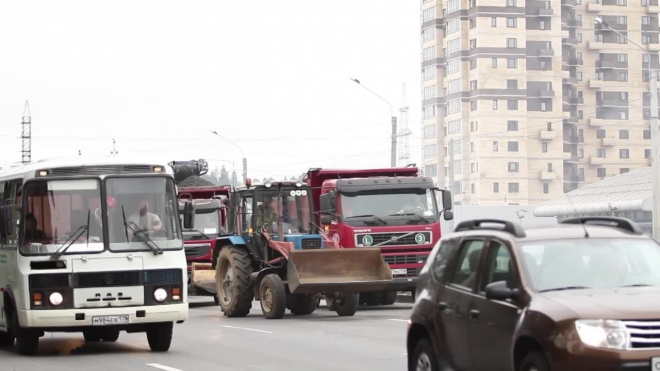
pixel 581 295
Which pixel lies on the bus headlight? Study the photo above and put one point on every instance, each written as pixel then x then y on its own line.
pixel 160 295
pixel 56 298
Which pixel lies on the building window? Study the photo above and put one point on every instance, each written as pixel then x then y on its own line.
pixel 512 63
pixel 624 153
pixel 512 146
pixel 511 43
pixel 600 172
pixel 544 147
pixel 496 187
pixel 624 134
pixel 514 187
pixel 493 62
pixel 624 170
pixel 431 170
pixel 495 146
pixel 493 21
pixel 473 63
pixel 647 134
pixel 511 22
pixel 512 84
pixel 600 153
pixel 647 153
pixel 472 188
pixel 546 188
pixel 549 167
pixel 600 133
pixel 494 105
pixel 512 104
pixel 514 167
pixel 512 125
pixel 430 131
pixel 458 167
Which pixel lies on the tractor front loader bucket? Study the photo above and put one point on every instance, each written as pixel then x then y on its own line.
pixel 203 277
pixel 337 270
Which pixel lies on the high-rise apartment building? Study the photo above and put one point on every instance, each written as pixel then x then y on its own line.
pixel 525 100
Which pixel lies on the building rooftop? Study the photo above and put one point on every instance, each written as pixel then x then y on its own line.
pixel 630 191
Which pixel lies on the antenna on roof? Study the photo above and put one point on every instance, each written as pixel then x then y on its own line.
pixel 586 234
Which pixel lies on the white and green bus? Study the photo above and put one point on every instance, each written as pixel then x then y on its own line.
pixel 90 245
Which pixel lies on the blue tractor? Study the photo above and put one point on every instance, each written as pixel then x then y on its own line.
pixel 275 254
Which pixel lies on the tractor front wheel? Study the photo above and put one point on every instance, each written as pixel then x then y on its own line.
pixel 232 278
pixel 272 296
pixel 346 304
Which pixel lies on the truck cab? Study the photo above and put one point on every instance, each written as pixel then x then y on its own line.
pixel 393 209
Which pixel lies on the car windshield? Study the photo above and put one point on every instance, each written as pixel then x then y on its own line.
pixel 143 215
pixel 388 203
pixel 294 209
pixel 59 213
pixel 591 263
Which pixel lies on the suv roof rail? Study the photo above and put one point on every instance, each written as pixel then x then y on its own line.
pixel 509 227
pixel 607 221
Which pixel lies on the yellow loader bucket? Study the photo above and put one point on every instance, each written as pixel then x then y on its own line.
pixel 203 276
pixel 337 270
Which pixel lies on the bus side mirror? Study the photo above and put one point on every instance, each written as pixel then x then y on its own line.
pixel 188 215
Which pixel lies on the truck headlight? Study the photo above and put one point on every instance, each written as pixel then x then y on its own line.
pixel 601 333
pixel 160 295
pixel 56 298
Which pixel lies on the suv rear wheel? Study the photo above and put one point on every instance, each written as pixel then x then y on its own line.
pixel 424 358
pixel 534 361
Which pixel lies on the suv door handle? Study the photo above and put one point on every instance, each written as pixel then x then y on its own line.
pixel 442 306
pixel 474 314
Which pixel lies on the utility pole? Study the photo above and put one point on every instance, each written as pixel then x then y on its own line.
pixel 114 147
pixel 404 132
pixel 26 134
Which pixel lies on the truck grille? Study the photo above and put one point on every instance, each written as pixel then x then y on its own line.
pixel 197 250
pixel 311 243
pixel 405 259
pixel 49 281
pixel 163 276
pixel 371 239
pixel 107 279
pixel 644 334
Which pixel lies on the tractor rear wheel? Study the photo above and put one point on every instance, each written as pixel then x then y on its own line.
pixel 346 305
pixel 232 278
pixel 272 296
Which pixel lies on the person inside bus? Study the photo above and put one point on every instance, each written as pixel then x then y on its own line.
pixel 144 219
pixel 32 233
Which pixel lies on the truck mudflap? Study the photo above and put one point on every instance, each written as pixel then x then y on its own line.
pixel 203 277
pixel 337 270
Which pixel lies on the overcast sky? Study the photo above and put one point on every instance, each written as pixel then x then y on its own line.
pixel 158 76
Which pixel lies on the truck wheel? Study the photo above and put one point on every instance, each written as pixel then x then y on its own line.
pixel 304 304
pixel 347 304
pixel 27 340
pixel 92 336
pixel 232 279
pixel 272 296
pixel 389 297
pixel 159 336
pixel 110 336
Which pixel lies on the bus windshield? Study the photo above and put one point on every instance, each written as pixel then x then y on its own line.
pixel 142 214
pixel 59 212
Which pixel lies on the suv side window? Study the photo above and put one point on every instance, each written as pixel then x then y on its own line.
pixel 465 271
pixel 498 266
pixel 446 250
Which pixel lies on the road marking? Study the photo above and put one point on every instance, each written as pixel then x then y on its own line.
pixel 398 320
pixel 163 367
pixel 247 329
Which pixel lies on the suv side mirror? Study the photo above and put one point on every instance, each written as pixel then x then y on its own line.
pixel 499 291
pixel 188 215
pixel 448 215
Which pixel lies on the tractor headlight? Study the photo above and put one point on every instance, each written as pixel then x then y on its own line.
pixel 56 298
pixel 160 295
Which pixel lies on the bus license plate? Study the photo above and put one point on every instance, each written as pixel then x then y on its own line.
pixel 110 320
pixel 397 272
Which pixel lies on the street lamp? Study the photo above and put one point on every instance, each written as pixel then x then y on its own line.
pixel 393 154
pixel 655 132
pixel 233 169
pixel 240 149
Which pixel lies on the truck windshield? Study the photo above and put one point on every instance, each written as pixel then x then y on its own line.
pixel 591 263
pixel 387 203
pixel 294 210
pixel 144 214
pixel 207 221
pixel 59 213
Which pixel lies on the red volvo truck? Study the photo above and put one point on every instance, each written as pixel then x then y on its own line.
pixel 391 208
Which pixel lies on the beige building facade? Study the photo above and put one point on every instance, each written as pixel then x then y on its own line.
pixel 525 100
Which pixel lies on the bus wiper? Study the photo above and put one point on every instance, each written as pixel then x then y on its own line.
pixel 415 214
pixel 135 229
pixel 366 215
pixel 566 288
pixel 69 241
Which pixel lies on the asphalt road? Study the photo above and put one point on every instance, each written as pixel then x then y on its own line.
pixel 374 339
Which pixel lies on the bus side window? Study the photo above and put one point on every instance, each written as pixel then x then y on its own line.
pixel 10 213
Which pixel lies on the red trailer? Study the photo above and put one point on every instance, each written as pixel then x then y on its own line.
pixel 391 208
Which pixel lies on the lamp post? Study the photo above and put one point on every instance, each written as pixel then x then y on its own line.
pixel 240 149
pixel 655 131
pixel 394 136
pixel 233 170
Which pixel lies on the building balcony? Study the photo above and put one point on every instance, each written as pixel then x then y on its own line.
pixel 653 47
pixel 594 122
pixel 570 80
pixel 574 23
pixel 572 3
pixel 547 135
pixel 545 94
pixel 611 64
pixel 570 41
pixel 572 178
pixel 607 142
pixel 574 101
pixel 546 53
pixel 594 7
pixel 595 84
pixel 595 45
pixel 565 34
pixel 597 161
pixel 544 12
pixel 547 176
pixel 570 157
